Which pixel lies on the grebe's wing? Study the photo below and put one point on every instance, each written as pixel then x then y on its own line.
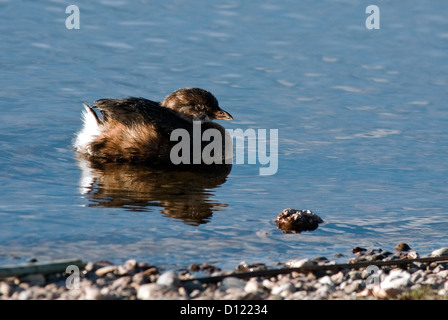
pixel 133 110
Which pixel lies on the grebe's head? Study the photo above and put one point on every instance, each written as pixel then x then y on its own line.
pixel 195 104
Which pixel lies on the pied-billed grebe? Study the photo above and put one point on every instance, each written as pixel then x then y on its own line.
pixel 139 130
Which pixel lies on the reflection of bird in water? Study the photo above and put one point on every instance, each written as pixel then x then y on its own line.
pixel 138 130
pixel 183 195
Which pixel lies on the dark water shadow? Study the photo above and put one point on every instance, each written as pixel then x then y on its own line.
pixel 181 192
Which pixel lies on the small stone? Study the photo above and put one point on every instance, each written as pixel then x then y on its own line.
pixel 395 282
pixel 268 284
pixel 323 292
pixel 300 263
pixel 326 280
pixel 283 289
pixel 121 282
pixel 418 276
pixel 144 265
pixel 440 252
pixel 140 278
pixel 443 274
pixel 148 291
pixel 355 275
pixel 5 289
pixel 25 295
pixel 245 267
pixel 232 282
pixel 101 272
pixel 151 271
pixel 358 250
pixel 296 221
pixel 353 286
pixel 252 286
pixel 412 255
pixel 338 277
pixel 379 292
pixel 195 267
pixel 402 247
pixel 168 279
pixel 131 265
pixel 92 293
pixel 364 293
pixel 90 266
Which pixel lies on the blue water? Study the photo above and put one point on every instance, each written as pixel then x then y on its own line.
pixel 361 116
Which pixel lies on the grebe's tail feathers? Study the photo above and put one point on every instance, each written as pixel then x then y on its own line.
pixel 89 131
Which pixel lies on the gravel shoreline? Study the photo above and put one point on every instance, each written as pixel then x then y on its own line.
pixel 135 280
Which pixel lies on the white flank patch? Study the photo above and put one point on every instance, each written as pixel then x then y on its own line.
pixel 88 133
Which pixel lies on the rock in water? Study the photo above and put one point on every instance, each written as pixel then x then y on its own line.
pixel 294 221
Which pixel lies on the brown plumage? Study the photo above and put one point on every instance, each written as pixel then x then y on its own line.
pixel 139 130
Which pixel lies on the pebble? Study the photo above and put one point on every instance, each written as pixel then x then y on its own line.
pixel 168 279
pixel 301 263
pixel 148 291
pixel 402 247
pixel 105 270
pixel 232 282
pixel 138 280
pixel 283 289
pixel 440 252
pixel 252 286
pixel 396 279
pixel 296 221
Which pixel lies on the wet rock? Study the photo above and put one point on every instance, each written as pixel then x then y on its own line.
pixel 195 267
pixel 395 282
pixel 168 279
pixel 358 250
pixel 232 282
pixel 149 291
pixel 205 267
pixel 5 288
pixel 348 283
pixel 101 272
pixel 296 221
pixel 354 286
pixel 338 277
pixel 402 247
pixel 252 286
pixel 92 293
pixel 245 267
pixel 121 282
pixel 130 267
pixel 302 263
pixel 326 280
pixel 440 252
pixel 355 275
pixel 283 289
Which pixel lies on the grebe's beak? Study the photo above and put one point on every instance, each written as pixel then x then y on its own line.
pixel 222 115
